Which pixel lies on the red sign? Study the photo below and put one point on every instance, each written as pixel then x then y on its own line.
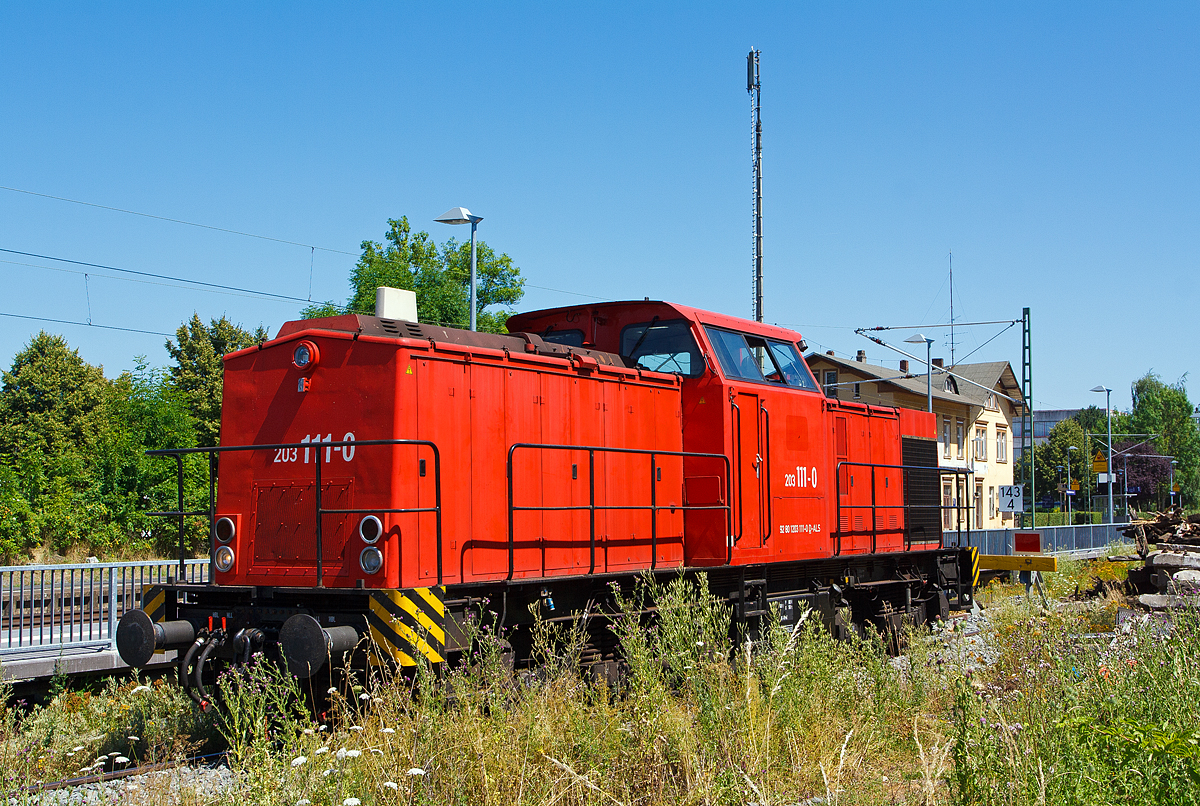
pixel 1027 542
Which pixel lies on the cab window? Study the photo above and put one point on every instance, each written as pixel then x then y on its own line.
pixel 753 358
pixel 663 347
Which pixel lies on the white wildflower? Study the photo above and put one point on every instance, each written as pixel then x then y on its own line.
pixel 70 754
pixel 140 689
pixel 299 760
pixel 377 751
pixel 323 727
pixel 364 696
pixel 304 802
pixel 388 730
pixel 308 731
pixel 353 753
pixel 416 771
pixel 77 748
pixel 121 760
pixel 322 750
pixel 113 754
pixel 328 773
pixel 133 738
pixel 351 802
pixel 356 727
pixel 391 784
pixel 341 754
pixel 100 760
pixel 331 690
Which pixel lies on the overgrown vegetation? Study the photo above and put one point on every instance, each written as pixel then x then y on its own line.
pixel 1042 711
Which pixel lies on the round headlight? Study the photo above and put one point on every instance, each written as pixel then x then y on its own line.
pixel 223 558
pixel 225 530
pixel 370 528
pixel 371 560
pixel 305 356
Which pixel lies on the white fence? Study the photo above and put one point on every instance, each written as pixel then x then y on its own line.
pixel 56 607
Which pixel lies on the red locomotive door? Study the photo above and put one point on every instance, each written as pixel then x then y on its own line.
pixel 750 469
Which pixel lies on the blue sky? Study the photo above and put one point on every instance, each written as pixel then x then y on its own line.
pixel 1052 148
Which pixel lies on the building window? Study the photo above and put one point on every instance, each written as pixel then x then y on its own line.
pixel 979 503
pixel 857 391
pixel 991 401
pixel 945 436
pixel 959 437
pixel 1001 444
pixel 991 502
pixel 981 443
pixel 947 505
pixel 831 383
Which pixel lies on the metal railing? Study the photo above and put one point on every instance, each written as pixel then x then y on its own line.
pixel 46 608
pixel 320 511
pixel 960 512
pixel 592 507
pixel 1055 539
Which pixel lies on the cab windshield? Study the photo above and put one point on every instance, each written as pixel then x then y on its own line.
pixel 753 358
pixel 663 347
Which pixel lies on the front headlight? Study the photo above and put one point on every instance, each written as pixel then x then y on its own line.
pixel 223 558
pixel 225 529
pixel 371 560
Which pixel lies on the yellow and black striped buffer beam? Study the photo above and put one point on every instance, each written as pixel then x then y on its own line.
pixel 409 624
pixel 154 602
pixel 974 567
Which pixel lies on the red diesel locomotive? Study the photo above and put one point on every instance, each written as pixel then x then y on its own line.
pixel 383 478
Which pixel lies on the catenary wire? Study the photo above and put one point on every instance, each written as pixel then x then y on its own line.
pixel 84 324
pixel 156 276
pixel 178 221
pixel 143 282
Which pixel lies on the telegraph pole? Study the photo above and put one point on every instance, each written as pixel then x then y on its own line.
pixel 754 87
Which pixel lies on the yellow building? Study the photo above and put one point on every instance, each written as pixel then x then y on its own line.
pixel 975 422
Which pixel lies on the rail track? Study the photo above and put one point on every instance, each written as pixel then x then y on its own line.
pixel 115 775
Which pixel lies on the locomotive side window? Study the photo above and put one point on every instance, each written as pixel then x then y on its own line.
pixel 753 358
pixel 663 347
pixel 735 356
pixel 795 371
pixel 570 338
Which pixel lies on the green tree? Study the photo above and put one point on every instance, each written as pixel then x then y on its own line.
pixel 199 372
pixel 440 276
pixel 1164 409
pixel 1055 452
pixel 50 401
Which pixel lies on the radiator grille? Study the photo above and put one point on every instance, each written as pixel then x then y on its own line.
pixel 285 522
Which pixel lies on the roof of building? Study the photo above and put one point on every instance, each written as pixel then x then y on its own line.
pixel 990 374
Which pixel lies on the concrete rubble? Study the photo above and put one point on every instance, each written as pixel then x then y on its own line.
pixel 1170 578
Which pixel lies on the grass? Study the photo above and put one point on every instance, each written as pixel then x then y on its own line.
pixel 1055 714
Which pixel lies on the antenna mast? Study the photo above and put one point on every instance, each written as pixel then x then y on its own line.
pixel 754 87
pixel 951 307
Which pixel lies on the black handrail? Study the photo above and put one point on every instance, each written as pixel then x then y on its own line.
pixel 591 506
pixel 214 451
pixel 874 506
pixel 765 435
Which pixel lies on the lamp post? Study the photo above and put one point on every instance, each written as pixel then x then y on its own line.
pixel 1070 492
pixel 1171 492
pixel 1108 415
pixel 461 215
pixel 917 338
pixel 1059 468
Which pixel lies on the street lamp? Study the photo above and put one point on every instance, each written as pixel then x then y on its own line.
pixel 1172 490
pixel 1059 468
pixel 917 338
pixel 1108 414
pixel 1070 492
pixel 461 215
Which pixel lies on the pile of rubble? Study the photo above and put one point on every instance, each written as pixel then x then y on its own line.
pixel 1171 576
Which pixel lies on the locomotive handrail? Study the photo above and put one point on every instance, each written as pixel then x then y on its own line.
pixel 737 462
pixel 874 506
pixel 766 433
pixel 214 451
pixel 592 507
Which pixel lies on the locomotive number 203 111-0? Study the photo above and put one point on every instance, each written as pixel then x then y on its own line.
pixel 803 477
pixel 309 454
